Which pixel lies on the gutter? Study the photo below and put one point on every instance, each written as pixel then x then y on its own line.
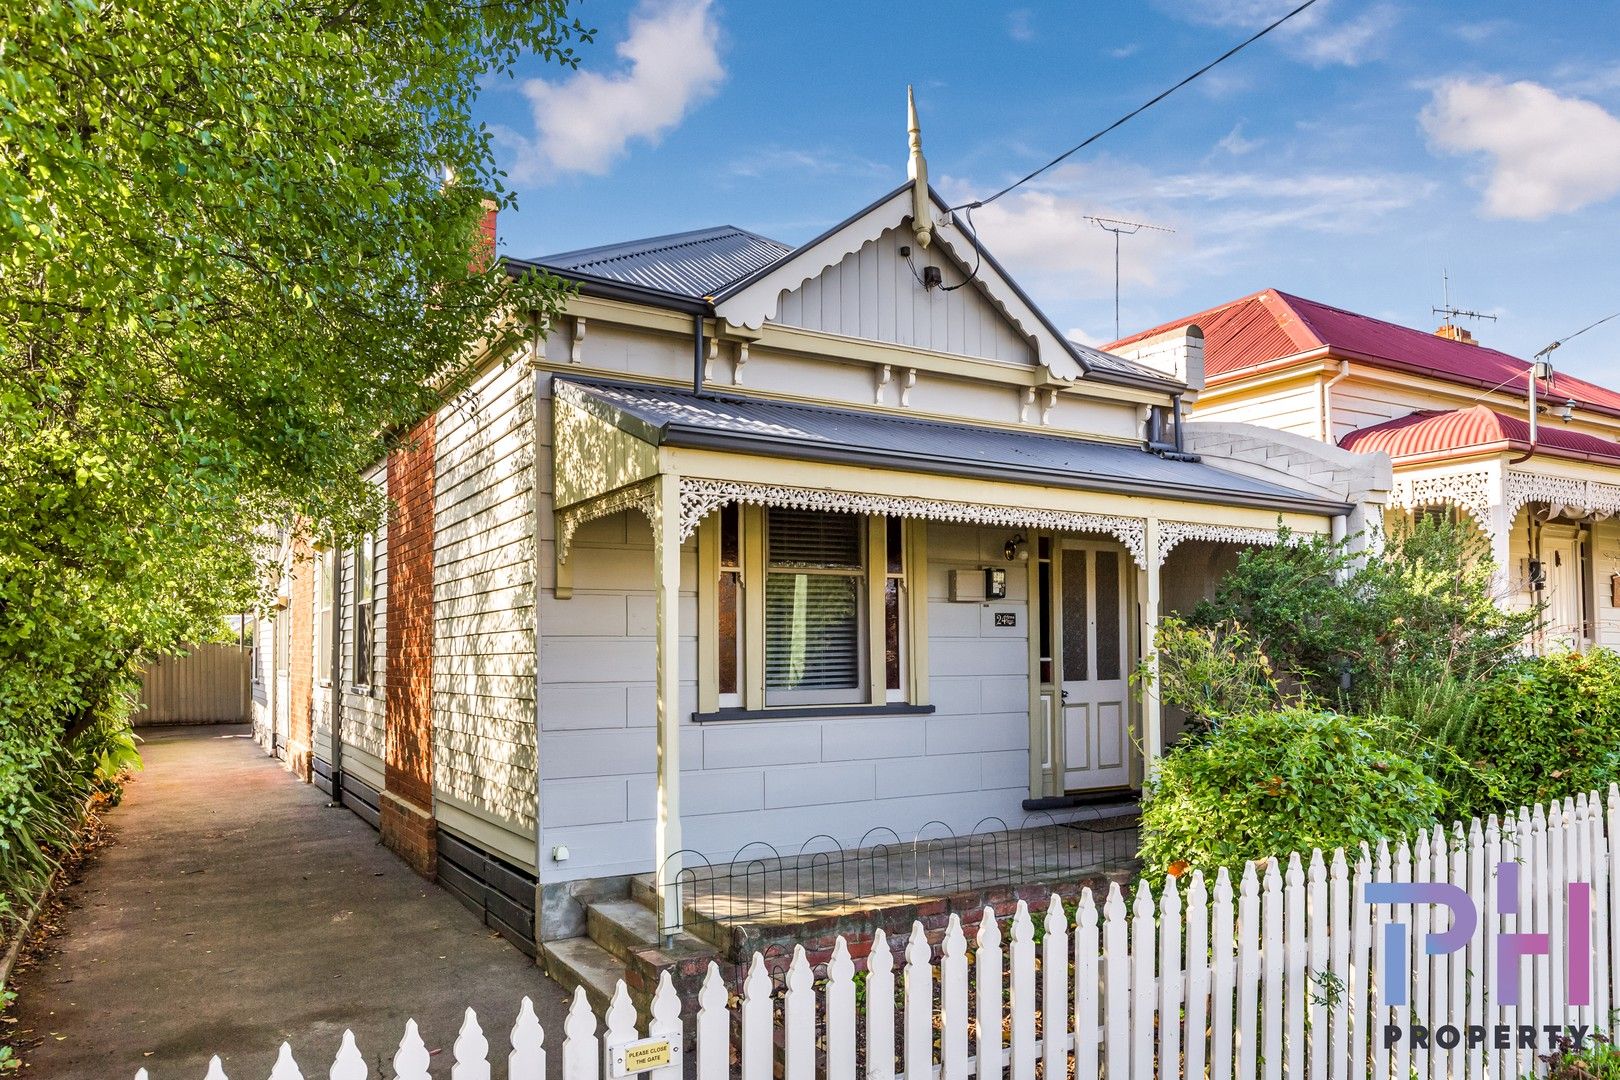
pixel 730 441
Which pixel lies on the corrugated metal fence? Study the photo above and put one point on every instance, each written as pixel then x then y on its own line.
pixel 207 685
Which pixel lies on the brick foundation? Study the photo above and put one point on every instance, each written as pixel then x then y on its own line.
pixel 410 832
pixel 407 804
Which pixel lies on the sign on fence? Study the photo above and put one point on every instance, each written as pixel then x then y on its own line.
pixel 1459 954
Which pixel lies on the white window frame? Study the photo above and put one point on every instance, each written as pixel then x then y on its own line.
pixel 363 680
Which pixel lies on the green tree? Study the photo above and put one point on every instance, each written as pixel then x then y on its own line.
pixel 231 266
pixel 238 255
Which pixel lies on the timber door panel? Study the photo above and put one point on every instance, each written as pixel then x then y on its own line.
pixel 1094 627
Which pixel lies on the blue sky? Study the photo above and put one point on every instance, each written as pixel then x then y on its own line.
pixel 1350 158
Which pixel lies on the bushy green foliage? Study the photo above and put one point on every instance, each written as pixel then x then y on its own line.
pixel 1273 782
pixel 1547 727
pixel 232 265
pixel 1596 1059
pixel 1420 613
pixel 44 785
pixel 1211 672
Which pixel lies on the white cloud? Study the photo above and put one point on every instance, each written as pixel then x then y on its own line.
pixel 1019 25
pixel 1313 35
pixel 584 122
pixel 1549 154
pixel 1235 144
pixel 1125 51
pixel 1042 234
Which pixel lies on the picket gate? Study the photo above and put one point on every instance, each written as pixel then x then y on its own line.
pixel 1278 976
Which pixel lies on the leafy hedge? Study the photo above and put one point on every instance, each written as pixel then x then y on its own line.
pixel 1273 782
pixel 43 790
pixel 1546 727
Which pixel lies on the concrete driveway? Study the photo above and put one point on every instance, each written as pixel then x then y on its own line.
pixel 234 910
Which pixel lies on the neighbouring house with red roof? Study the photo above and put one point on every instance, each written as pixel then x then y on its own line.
pixel 1530 455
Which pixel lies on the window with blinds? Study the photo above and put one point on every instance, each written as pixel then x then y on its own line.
pixel 325 574
pixel 815 603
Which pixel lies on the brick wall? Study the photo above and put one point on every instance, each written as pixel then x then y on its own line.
pixel 300 666
pixel 407 804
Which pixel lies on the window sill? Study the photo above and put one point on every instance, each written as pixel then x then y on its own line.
pixel 811 712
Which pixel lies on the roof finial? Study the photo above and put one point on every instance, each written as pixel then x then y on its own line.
pixel 922 215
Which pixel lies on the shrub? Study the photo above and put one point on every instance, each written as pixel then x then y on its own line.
pixel 1547 727
pixel 1273 782
pixel 1421 613
pixel 1211 672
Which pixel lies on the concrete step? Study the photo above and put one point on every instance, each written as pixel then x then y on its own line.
pixel 699 926
pixel 629 930
pixel 581 962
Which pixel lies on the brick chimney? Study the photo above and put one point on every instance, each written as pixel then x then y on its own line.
pixel 1453 332
pixel 484 241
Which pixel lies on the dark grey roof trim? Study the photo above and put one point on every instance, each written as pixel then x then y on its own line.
pixel 671 417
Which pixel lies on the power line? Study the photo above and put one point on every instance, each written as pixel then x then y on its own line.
pixel 1227 55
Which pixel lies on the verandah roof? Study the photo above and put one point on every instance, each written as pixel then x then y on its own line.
pixel 664 416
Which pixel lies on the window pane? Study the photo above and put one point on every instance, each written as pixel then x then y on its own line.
pixel 895 533
pixel 891 632
pixel 810 538
pixel 812 632
pixel 1043 618
pixel 1109 662
pixel 730 618
pixel 730 549
pixel 1075 630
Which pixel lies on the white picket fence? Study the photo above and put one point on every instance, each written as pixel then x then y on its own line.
pixel 1279 978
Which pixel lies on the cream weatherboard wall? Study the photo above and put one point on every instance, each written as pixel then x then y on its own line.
pixel 781 780
pixel 1294 406
pixel 362 704
pixel 483 614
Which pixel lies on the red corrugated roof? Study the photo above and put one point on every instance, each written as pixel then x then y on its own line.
pixel 1270 325
pixel 1431 432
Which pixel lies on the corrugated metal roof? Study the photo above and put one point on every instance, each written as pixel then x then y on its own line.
pixel 683 418
pixel 1270 325
pixel 1095 359
pixel 693 264
pixel 1432 432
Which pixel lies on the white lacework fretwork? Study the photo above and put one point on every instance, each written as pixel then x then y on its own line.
pixel 701 497
pixel 1471 492
pixel 1172 533
pixel 1585 496
pixel 642 496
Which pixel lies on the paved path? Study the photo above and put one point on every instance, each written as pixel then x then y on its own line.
pixel 234 910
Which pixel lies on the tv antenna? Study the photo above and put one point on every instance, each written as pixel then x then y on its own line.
pixel 1121 228
pixel 1454 313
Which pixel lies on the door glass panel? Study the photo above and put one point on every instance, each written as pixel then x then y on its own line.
pixel 1076 637
pixel 1109 664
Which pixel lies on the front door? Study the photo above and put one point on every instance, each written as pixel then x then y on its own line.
pixel 1566 585
pixel 1093 624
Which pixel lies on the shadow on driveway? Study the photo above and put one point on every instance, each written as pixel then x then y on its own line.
pixel 234 910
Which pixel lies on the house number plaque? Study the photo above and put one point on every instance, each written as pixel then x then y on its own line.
pixel 1006 618
pixel 645 1054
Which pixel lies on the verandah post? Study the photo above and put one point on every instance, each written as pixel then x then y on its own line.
pixel 667 561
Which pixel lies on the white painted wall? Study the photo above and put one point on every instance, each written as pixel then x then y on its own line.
pixel 483 615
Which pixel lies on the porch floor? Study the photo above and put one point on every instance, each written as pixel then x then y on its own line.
pixel 767 890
